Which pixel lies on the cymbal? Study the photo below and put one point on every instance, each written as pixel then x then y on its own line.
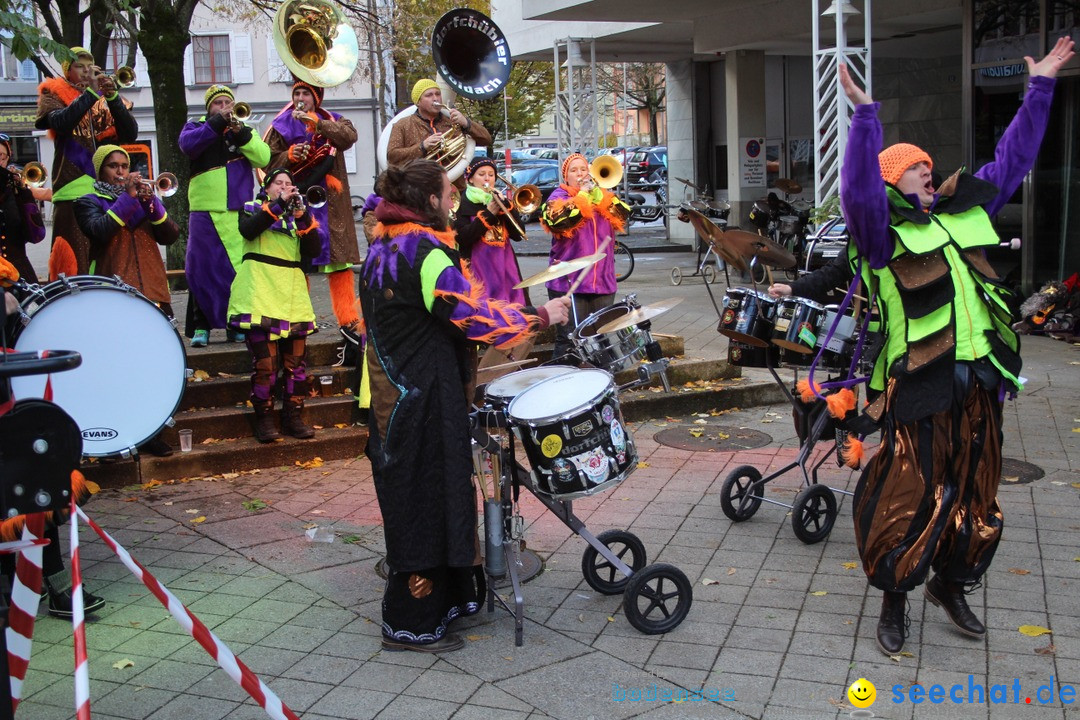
pixel 559 269
pixel 714 235
pixel 789 186
pixel 639 315
pixel 684 181
pixel 750 245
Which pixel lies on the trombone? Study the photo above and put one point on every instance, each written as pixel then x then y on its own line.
pixel 33 174
pixel 527 198
pixel 606 171
pixel 502 206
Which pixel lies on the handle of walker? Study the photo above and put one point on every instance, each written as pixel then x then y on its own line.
pixel 1013 244
pixel 38 362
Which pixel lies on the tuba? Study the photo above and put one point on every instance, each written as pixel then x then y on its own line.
pixel 315 41
pixel 473 59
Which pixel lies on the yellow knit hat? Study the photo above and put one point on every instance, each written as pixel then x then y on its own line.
pixel 422 86
pixel 216 91
pixel 896 159
pixel 79 52
pixel 105 151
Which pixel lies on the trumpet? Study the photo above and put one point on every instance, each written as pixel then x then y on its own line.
pixel 241 111
pixel 313 198
pixel 123 78
pixel 506 211
pixel 165 184
pixel 33 174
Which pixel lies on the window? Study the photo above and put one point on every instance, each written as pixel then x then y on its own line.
pixel 212 59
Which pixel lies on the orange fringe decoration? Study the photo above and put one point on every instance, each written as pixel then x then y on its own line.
pixel 11 528
pixel 62 260
pixel 805 393
pixel 840 403
pixel 853 452
pixel 342 297
pixel 504 310
pixel 62 89
pixel 310 228
pixel 8 274
pixel 446 237
pixel 333 184
pixel 607 209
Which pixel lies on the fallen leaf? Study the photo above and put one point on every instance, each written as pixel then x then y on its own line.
pixel 351 539
pixel 313 463
pixel 1011 479
pixel 341 426
pixel 121 664
pixel 837 703
pixel 643 464
pixel 1019 571
pixel 308 526
pixel 731 571
pixel 92 487
pixel 200 519
pixel 722 436
pixel 229 476
pixel 474 638
pixel 696 432
pixel 168 504
pixel 1076 485
pixel 192 512
pixel 709 581
pixel 152 484
pixel 819 593
pixel 1048 650
pixel 581 617
pixel 610 619
pixel 252 505
pixel 200 375
pixel 1033 630
pixel 849 565
pixel 701 422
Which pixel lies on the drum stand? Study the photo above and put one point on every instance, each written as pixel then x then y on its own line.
pixel 656 598
pixel 815 508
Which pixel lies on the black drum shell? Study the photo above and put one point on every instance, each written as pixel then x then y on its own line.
pixel 747 316
pixel 743 355
pixel 797 324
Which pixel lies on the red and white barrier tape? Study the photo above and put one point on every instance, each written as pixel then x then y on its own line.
pixel 25 598
pixel 228 662
pixel 78 623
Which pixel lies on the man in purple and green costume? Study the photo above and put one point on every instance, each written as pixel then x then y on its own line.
pixel 223 156
pixel 928 498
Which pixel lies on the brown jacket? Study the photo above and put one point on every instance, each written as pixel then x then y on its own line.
pixel 409 132
pixel 344 247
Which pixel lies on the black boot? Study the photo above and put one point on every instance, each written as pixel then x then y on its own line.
pixel 265 430
pixel 892 627
pixel 291 421
pixel 950 597
pixel 60 600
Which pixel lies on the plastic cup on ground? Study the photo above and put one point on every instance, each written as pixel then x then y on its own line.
pixel 185 440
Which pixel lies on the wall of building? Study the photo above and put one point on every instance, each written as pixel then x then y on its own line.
pixel 922 103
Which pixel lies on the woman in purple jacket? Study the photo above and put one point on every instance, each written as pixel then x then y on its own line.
pixel 582 218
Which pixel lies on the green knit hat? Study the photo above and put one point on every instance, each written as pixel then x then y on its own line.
pixel 215 91
pixel 105 151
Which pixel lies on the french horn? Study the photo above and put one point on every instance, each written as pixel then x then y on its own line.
pixel 473 59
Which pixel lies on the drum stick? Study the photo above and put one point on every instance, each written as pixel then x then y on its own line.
pixel 496 475
pixel 478 468
pixel 581 275
pixel 856 296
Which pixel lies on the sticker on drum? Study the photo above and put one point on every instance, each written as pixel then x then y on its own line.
pixel 132 376
pixel 501 391
pixel 748 316
pixel 576 416
pixel 797 321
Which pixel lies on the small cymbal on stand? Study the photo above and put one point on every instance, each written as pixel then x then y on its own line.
pixel 751 245
pixel 713 235
pixel 788 186
pixel 559 269
pixel 639 315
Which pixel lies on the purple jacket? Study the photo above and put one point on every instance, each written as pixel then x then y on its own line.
pixel 862 190
pixel 574 236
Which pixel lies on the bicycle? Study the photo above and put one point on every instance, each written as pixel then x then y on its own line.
pixel 624 261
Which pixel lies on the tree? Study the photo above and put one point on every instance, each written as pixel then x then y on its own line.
pixel 642 85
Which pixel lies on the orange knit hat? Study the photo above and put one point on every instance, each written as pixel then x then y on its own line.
pixel 896 159
pixel 566 163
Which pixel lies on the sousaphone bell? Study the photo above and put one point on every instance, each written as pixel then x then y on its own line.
pixel 316 42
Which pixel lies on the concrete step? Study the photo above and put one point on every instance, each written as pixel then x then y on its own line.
pixel 236 421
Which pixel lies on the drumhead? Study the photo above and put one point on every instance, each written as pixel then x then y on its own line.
pixel 511 385
pixel 132 374
pixel 565 394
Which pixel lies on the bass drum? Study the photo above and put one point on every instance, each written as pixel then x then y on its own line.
pixel 132 374
pixel 384 143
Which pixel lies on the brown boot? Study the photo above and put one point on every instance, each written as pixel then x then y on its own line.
pixel 265 429
pixel 291 421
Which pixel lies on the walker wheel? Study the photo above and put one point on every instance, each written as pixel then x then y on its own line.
pixel 676 276
pixel 733 493
pixel 602 576
pixel 657 598
pixel 709 273
pixel 813 514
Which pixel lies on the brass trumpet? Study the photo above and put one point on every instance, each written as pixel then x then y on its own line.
pixel 165 184
pixel 33 174
pixel 241 111
pixel 314 197
pixel 123 78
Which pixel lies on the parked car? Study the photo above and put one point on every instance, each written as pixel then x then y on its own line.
pixel 645 162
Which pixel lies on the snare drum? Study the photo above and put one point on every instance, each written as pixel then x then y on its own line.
pixel 132 374
pixel 748 316
pixel 500 392
pixel 574 435
pixel 743 355
pixel 761 214
pixel 798 322
pixel 788 224
pixel 613 351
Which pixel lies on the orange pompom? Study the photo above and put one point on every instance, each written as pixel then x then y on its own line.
pixel 840 403
pixel 62 260
pixel 333 185
pixel 852 452
pixel 8 274
pixel 805 393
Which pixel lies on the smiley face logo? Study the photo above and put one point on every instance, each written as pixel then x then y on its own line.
pixel 862 693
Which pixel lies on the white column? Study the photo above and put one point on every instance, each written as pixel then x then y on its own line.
pixel 744 91
pixel 680 135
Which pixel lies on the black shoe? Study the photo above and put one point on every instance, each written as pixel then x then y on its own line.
pixel 60 603
pixel 950 597
pixel 157 447
pixel 292 422
pixel 265 429
pixel 448 643
pixel 351 333
pixel 892 626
